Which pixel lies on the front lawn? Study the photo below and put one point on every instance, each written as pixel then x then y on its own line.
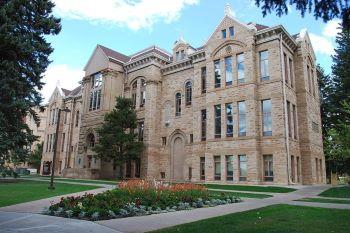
pixel 325 200
pixel 268 189
pixel 341 192
pixel 245 195
pixel 24 191
pixel 88 181
pixel 276 218
pixel 139 197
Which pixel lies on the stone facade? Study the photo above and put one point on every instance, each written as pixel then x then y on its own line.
pixel 180 144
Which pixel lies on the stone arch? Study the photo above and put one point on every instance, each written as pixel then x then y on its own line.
pixel 227 44
pixel 177 155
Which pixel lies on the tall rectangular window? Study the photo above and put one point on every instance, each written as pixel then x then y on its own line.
pixel 317 170
pixel 267 119
pixel 242 159
pixel 309 78
pixel 289 119
pixel 141 127
pixel 228 70
pixel 217 114
pixel 77 119
pixel 298 169
pixel 264 65
pixel 217 167
pixel 204 79
pixel 268 167
pixel 95 93
pixel 217 73
pixel 291 72
pixel 286 73
pixel 142 93
pixel 47 142
pixel 240 68
pixel 204 124
pixel 295 122
pixel 223 33
pixel 178 104
pixel 232 31
pixel 229 120
pixel 63 141
pixel 229 167
pixel 202 168
pixel 241 118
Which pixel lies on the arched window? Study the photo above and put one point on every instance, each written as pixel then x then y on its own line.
pixel 188 92
pixel 91 140
pixel 142 93
pixel 178 104
pixel 133 93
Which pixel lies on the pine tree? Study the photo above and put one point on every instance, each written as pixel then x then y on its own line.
pixel 324 9
pixel 24 57
pixel 34 159
pixel 117 140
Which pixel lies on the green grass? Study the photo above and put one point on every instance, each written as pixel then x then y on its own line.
pixel 244 195
pixel 24 191
pixel 342 192
pixel 89 181
pixel 273 219
pixel 325 200
pixel 268 189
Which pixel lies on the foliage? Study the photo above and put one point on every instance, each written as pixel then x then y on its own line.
pixel 335 107
pixel 117 137
pixel 324 9
pixel 24 57
pixel 140 197
pixel 35 157
pixel 8 172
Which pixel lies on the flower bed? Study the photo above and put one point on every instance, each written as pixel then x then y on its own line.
pixel 136 198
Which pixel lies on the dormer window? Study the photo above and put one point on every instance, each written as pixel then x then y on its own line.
pixel 180 55
pixel 96 80
pixel 223 33
pixel 232 32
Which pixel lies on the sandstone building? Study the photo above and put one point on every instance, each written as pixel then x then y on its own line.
pixel 242 108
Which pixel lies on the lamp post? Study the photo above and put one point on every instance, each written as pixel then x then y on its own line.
pixel 55 146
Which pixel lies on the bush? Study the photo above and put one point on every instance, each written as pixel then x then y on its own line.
pixel 139 197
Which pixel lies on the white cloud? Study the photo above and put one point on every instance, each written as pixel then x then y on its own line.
pixel 130 13
pixel 322 44
pixel 62 75
pixel 331 29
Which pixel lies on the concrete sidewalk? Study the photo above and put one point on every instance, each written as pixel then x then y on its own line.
pixel 29 223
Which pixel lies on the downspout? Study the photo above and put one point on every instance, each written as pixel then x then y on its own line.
pixel 285 111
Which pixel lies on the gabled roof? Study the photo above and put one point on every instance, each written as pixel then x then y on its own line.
pixel 65 91
pixel 258 26
pixel 75 91
pixel 151 49
pixel 114 54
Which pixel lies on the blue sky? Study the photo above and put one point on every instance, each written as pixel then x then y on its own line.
pixel 128 26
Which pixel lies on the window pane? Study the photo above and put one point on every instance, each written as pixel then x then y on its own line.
pixel 178 104
pixel 228 70
pixel 204 79
pixel 242 118
pixel 240 67
pixel 217 72
pixel 229 167
pixel 229 120
pixel 217 168
pixel 204 124
pixel 202 168
pixel 223 33
pixel 231 31
pixel 268 167
pixel 267 120
pixel 188 93
pixel 242 166
pixel 217 109
pixel 264 65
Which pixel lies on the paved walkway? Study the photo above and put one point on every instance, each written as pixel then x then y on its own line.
pixel 12 218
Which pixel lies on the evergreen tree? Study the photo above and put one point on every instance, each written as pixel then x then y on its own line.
pixel 24 57
pixel 324 9
pixel 34 159
pixel 117 140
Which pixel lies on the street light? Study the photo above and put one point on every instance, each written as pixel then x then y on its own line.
pixel 55 146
